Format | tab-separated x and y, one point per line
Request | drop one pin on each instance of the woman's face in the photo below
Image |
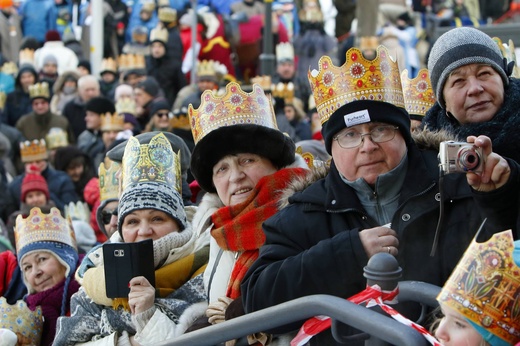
455	330
36	198
161	119
474	93
147	224
42	270
235	176
109	217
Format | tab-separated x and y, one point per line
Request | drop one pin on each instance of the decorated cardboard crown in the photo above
163	3
485	287
109	180
148	6
56	138
284	91
131	61
10	67
264	82
77	211
206	68
167	14
108	65
357	79
152	162
508	52
112	122
39	90
19	319
234	107
126	105
33	151
26	56
159	34
284	52
180	119
418	93
41	227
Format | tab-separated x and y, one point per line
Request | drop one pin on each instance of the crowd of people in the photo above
253	190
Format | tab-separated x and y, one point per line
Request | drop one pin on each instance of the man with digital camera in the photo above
382	194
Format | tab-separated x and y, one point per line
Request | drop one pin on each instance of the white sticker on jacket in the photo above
359	117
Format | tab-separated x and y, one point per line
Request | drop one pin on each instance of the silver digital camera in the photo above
460	157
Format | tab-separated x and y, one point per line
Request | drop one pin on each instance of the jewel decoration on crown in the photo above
485	287
77	211
108	65
167	14
357	79
153	162
264	82
19	319
112	122
39	90
284	91
56	138
159	34
131	61
33	151
41	227
126	105
234	107
108	179
284	51
417	92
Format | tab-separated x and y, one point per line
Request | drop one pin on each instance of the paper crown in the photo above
131	61
19	319
56	138
3	98
167	14
159	34
108	180
126	105
10	67
41	227
26	56
108	65
39	90
77	211
311	12
206	68
418	93
153	162
234	107
112	122
357	79
163	3
33	151
284	91
284	52
264	82
148	6
508	52
485	287
180	119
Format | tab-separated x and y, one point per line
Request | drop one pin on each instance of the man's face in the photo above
369	159
92	120
206	84
50	68
40	106
141	97
26	79
108	77
40	164
75	171
109	137
286	69
88	91
158	50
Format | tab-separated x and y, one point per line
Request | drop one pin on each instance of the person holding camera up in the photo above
474	90
383	193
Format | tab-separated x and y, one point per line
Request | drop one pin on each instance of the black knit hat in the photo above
159	104
100	105
150	86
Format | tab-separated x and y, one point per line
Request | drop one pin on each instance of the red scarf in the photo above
239	227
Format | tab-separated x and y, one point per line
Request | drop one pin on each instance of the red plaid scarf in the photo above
239	227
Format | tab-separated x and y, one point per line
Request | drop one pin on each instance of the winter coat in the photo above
18	102
38	17
60	99
34	126
313	245
67	59
75	112
11	36
168	74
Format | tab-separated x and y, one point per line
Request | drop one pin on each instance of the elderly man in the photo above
382	194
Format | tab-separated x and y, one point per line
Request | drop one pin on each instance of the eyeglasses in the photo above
106	215
352	138
161	114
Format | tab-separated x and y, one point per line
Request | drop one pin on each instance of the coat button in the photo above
405	217
438	196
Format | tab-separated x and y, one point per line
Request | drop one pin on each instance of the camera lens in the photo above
469	159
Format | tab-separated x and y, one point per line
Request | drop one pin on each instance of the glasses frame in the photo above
162	114
362	137
106	214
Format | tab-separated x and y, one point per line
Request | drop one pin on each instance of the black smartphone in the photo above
124	261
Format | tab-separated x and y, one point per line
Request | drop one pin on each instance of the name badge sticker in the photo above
356	118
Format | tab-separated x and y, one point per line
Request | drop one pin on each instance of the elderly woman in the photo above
150	207
475	95
243	162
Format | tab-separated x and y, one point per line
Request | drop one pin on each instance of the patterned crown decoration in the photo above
284	52
19	319
41	227
131	61
153	162
108	65
234	107
112	122
109	180
39	90
33	151
284	91
126	105
10	68
485	287
206	68
180	119
77	211
26	56
159	34
167	14
264	82
508	52
357	79
418	93
56	138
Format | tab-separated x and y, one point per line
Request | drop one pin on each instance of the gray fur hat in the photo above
459	47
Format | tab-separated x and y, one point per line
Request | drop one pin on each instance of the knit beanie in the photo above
159	104
50	59
52	35
34	181
100	105
463	46
150	86
86	65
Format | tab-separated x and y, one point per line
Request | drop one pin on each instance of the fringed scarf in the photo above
239	227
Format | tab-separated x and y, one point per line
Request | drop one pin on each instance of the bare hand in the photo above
141	296
379	239
496	169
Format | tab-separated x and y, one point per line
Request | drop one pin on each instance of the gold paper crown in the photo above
108	180
78	211
19	319
112	122
159	34
167	14
485	287
33	151
148	6
26	56
206	68
508	52
126	105
163	3
10	68
56	138
284	51
108	65
131	61
234	107
311	12
263	81
417	92
284	91
153	162
180	119
41	227
357	79
39	90
3	98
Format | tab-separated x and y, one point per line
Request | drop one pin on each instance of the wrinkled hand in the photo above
496	170
141	296
216	311
379	239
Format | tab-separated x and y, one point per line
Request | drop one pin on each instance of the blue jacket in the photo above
38	17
